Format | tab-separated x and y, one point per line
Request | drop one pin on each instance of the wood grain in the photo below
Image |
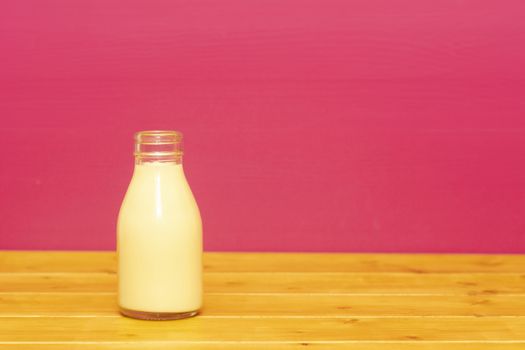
284	305
360	345
272	301
57	261
289	282
63	261
240	329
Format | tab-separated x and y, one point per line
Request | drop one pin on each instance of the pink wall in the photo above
352	125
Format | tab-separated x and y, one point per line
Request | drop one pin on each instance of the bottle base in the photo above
157	316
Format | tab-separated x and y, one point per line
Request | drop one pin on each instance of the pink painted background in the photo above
310	125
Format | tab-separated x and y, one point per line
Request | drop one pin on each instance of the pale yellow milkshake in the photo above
159	235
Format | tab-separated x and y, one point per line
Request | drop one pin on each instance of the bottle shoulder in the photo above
165	195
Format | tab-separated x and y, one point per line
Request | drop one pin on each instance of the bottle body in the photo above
159	243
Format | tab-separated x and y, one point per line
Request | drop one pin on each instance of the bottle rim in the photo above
155	137
158	145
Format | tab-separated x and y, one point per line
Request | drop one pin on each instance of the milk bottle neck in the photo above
158	146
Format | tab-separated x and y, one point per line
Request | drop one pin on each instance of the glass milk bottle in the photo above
159	234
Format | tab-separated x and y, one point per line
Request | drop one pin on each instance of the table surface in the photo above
67	300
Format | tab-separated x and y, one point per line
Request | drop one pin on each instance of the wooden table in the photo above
66	300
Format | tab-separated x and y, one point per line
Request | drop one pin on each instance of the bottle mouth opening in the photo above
156	137
158	144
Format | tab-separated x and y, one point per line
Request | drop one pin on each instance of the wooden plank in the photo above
340	262
376	308
366	283
57	261
361	345
67	261
58	282
284	305
290	282
201	329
